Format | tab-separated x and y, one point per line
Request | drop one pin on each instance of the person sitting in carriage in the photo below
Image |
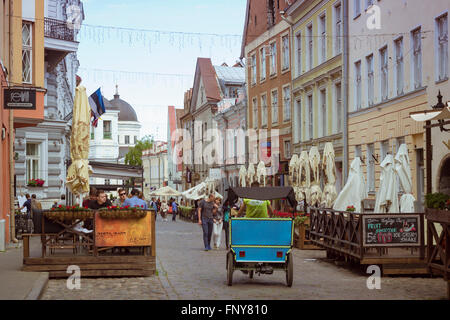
255	208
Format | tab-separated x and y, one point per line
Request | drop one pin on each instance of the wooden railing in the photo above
438	244
347	233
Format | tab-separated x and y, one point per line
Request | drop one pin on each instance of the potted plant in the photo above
35	183
350	208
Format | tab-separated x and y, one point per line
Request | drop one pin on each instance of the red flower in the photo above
86	207
142	206
60	206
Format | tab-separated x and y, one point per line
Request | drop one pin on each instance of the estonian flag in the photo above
97	106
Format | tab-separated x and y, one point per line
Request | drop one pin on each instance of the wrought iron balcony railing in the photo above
58	29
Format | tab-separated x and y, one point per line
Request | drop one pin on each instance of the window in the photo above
32	161
262	52
323	111
337	29
323	38
264	110
255	113
399	65
300	125
135	139
287	103
310	117
273	58
357	6
358	85
271	12
107	182
107	130
27	52
417	58
310	46
384	73
298	41
127	139
370	80
287	149
442	47
253	66
370	168
274	106
384	149
338	104
285	42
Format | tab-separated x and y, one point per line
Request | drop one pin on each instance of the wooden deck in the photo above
341	234
45	254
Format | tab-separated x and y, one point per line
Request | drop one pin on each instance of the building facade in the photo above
391	76
42	150
266	47
317	52
156	167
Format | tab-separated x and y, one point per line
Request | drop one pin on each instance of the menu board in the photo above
122	232
391	230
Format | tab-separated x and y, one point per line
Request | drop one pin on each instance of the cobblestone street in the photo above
186	271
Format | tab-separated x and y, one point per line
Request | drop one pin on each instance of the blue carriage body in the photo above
261	240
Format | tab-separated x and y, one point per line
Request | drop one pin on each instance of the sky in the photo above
149	48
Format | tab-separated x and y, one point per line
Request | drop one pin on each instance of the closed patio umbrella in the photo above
242	176
314	162
403	171
329	191
387	197
304	172
78	173
354	191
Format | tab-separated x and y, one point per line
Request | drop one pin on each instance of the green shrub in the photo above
436	200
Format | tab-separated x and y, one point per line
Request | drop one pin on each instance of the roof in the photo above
108	105
230	74
206	72
127	112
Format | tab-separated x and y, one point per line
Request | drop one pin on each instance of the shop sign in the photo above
24	99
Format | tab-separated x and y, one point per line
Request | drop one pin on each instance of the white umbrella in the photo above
403	171
329	191
354	191
293	169
314	162
387	197
166	192
199	192
304	178
250	173
242	176
261	172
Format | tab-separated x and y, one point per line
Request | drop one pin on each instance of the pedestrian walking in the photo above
154	206
226	222
218	224
27	204
205	219
163	210
174	210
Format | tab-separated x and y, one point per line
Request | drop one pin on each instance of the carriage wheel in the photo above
289	270
230	266
250	274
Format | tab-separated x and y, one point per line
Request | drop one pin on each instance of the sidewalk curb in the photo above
38	288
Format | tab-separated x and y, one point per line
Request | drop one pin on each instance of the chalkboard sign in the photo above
391	230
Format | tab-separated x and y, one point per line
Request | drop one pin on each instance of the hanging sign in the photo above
24	99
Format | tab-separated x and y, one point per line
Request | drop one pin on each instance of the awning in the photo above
262	193
114	170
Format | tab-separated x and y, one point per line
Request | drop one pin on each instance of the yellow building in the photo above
317	47
395	70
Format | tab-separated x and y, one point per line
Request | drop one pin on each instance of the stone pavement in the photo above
16	284
186	271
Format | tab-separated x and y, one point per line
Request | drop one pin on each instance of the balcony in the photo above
59	40
58	29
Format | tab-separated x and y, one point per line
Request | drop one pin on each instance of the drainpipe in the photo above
12	216
345	89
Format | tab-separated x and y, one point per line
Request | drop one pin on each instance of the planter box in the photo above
302	242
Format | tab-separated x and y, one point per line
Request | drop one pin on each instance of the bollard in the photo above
2	235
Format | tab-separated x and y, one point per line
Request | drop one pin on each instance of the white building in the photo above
118	130
156	167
